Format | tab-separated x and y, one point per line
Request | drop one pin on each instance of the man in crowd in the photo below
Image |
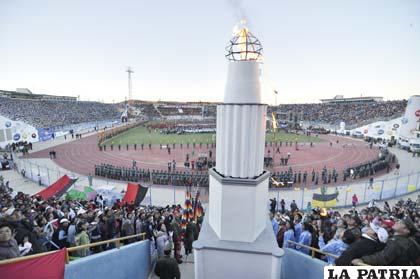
400	250
167	267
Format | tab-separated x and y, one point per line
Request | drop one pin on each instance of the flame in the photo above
274	121
241	31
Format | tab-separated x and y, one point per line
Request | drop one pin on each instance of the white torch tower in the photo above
237	230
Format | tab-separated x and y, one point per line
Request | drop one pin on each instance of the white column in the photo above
240	140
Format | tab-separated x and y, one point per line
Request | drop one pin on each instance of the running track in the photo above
81	155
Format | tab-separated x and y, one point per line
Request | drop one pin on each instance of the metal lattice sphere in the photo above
244	46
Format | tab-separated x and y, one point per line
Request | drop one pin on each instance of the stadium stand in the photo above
350	113
56	113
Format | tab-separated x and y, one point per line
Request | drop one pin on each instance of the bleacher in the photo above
56	113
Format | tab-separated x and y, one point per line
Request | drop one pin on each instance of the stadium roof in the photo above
341	99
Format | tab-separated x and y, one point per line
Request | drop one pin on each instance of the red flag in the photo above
50	266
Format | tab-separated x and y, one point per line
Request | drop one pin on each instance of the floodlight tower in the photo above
129	71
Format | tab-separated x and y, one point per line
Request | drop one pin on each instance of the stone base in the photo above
215	258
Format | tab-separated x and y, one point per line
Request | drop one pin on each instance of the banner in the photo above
319	200
50	266
45	134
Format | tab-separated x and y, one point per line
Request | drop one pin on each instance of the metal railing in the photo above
315	250
390	187
160	195
117	241
393	186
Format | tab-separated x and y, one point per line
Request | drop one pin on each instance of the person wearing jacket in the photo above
162	238
60	235
400	250
167	267
336	247
82	238
367	245
305	238
8	245
289	235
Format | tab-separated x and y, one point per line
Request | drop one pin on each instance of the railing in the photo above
76	248
161	195
393	186
381	189
315	250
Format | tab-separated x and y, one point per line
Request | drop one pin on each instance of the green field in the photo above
141	135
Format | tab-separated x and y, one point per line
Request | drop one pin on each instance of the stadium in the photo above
155	189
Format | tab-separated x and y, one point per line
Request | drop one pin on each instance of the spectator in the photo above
336	247
8	245
82	238
367	245
289	235
167	267
305	238
400	250
354	200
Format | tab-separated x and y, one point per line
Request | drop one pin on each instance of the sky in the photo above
312	49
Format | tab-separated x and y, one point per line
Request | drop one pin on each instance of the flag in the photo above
186	214
189	207
135	194
319	200
198	209
50	266
184	219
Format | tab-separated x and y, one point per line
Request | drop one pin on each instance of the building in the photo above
24	93
339	99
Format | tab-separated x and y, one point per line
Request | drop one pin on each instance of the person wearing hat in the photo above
59	237
367	245
400	250
167	267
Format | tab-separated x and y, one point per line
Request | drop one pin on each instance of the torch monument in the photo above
237	239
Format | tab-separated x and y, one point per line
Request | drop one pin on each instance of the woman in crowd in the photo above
8	246
82	238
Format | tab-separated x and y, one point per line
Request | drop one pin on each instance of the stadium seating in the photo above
56	113
351	114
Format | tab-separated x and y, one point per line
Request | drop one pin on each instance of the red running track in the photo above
81	155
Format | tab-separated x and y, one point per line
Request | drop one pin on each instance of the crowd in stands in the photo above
350	113
56	113
374	235
31	225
